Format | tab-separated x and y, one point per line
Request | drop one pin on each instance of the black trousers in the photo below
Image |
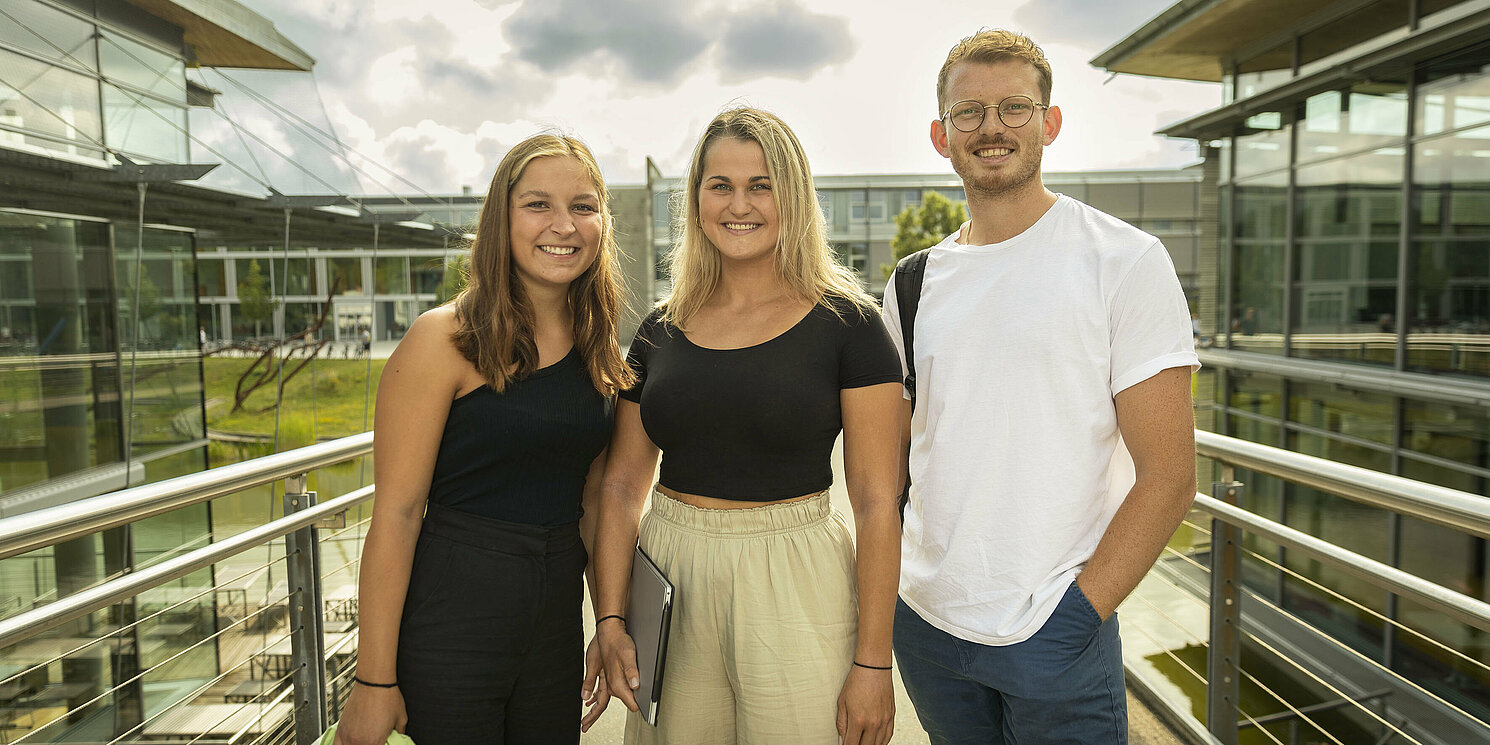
491	649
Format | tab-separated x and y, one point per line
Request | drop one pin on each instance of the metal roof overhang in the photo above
1192	39
225	33
36	182
1387	55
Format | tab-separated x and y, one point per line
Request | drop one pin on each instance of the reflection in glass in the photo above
1455	92
49	33
59	107
1459	434
1450	298
61	417
144	126
1335	408
1257	314
1262	144
1450	293
1363	116
143	67
1347	222
1257	393
1348	524
1450	558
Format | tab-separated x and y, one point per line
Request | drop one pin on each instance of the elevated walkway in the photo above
251	638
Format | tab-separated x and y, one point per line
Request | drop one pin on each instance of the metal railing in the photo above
274	712
295	697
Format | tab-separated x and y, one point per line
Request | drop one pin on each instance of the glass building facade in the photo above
1352	294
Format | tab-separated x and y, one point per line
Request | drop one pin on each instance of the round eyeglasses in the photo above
1014	111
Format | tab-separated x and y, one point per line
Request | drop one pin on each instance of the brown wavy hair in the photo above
494	317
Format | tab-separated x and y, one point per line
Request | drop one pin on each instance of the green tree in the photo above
255	301
924	226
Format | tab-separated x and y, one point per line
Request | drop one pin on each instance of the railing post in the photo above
1223	658
307	645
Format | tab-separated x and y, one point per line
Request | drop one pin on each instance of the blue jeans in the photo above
1062	685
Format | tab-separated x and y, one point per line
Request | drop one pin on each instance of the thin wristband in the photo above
869	667
603	619
360	681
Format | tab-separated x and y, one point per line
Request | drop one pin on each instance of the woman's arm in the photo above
593	689
414	394
871	465
629	468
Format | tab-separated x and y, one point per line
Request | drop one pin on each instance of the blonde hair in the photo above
804	260
989	46
494	318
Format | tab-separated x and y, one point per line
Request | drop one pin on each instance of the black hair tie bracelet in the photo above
869	667
360	681
603	619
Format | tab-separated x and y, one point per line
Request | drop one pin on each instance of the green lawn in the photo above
329	398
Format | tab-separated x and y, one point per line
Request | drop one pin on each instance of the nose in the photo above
992	124
738	204
563	223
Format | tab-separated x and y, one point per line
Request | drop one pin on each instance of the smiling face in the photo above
736	208
996	160
556	222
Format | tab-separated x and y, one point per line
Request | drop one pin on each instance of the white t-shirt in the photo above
1017	465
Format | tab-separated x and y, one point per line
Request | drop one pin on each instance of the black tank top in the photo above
522	455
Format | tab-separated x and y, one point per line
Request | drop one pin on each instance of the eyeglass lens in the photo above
1014	111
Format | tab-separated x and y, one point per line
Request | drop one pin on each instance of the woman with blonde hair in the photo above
492	420
747	372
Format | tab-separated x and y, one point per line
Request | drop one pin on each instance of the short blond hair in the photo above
989	46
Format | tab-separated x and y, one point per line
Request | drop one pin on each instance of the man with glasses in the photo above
1048	336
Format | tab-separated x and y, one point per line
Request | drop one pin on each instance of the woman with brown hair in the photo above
492	420
766	349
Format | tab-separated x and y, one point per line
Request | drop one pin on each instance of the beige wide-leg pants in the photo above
764	623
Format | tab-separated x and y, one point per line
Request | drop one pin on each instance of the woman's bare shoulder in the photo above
428	349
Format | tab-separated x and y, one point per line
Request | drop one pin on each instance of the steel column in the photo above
307	645
1223	657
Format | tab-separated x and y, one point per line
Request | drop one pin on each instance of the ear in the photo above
939	139
1052	124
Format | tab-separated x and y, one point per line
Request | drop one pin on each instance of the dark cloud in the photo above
1085	23
650	41
786	41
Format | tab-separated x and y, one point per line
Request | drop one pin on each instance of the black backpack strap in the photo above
909	274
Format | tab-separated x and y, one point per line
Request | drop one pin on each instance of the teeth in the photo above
558	250
992	152
740	225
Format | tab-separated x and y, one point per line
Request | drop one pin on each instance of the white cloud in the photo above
443	87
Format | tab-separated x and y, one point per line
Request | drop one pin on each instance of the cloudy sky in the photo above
439	89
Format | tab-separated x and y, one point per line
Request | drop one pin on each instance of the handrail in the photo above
1461	607
55	525
1456	509
79	604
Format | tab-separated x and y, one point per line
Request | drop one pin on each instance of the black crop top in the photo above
755	424
523	455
